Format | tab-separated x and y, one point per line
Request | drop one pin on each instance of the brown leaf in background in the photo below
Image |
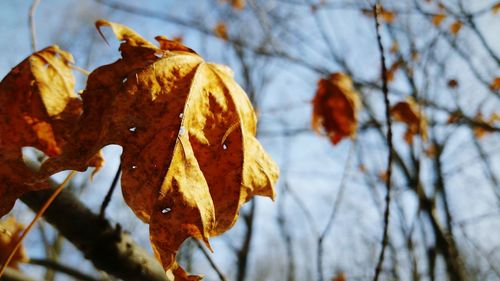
495	84
10	232
480	132
438	19
220	30
455	27
335	107
237	4
391	72
385	15
452	84
408	112
190	157
495	9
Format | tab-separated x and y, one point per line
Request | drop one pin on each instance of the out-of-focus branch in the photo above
54	265
109	249
385	236
14	275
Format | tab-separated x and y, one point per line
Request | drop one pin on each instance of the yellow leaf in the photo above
335	107
438	19
409	112
190	157
455	27
10	232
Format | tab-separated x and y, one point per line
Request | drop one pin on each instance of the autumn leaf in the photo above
495	84
237	4
479	131
335	107
495	8
340	277
385	15
391	72
38	108
220	30
190	157
455	27
452	84
438	19
409	112
10	232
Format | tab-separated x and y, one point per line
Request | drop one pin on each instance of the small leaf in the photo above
495	9
408	112
385	15
455	27
495	84
237	4
10	232
438	19
220	30
335	107
452	84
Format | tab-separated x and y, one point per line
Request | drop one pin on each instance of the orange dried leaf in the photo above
38	108
409	112
391	72
438	19
190	157
455	27
394	47
220	30
340	277
385	15
335	107
495	9
237	4
479	131
495	84
10	232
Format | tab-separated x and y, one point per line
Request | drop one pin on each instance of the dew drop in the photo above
133	129
224	146
124	80
166	210
181	115
134	167
182	130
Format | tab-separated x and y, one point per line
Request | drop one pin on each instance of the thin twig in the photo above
215	267
54	265
107	198
385	237
35	219
331	218
31	22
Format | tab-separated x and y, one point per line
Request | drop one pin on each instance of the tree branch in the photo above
107	247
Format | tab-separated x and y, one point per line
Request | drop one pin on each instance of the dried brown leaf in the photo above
409	112
190	157
335	107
